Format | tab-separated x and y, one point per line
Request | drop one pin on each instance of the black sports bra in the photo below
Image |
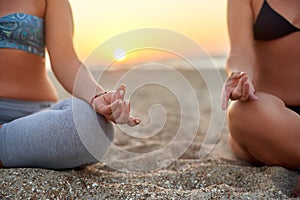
271	25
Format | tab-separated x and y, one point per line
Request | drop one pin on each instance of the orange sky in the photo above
96	21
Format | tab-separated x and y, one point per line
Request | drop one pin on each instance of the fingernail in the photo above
137	121
127	102
120	101
121	92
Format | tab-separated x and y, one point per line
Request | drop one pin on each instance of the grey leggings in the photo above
66	135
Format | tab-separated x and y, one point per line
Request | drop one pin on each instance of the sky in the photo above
97	21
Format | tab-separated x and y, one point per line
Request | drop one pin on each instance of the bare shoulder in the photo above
240	14
57	2
58	12
59	31
58	6
239	8
39	6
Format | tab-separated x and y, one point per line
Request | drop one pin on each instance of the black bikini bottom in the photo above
294	108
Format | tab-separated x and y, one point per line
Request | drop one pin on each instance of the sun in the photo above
119	54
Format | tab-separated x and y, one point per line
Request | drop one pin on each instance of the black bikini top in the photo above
271	25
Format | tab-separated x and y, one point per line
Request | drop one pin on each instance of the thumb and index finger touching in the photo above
237	87
119	96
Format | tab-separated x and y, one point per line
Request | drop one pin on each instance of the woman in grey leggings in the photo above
35	129
33	135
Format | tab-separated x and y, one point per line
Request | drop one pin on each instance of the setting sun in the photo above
98	21
119	55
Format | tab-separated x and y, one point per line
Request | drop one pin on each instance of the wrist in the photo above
97	95
237	71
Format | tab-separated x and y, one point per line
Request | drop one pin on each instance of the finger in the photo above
133	121
227	93
120	92
237	92
253	97
237	74
124	116
109	97
107	109
225	98
117	109
104	110
245	92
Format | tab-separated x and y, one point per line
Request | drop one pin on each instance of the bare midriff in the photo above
278	68
23	76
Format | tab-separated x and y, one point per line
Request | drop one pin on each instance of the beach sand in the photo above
219	175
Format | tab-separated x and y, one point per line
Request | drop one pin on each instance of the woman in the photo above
264	81
35	131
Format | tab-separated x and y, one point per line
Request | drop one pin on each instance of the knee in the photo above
241	129
249	112
245	118
106	126
90	131
87	120
238	115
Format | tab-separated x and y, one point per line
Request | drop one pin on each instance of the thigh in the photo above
268	130
54	139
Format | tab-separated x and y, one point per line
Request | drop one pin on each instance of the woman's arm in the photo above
240	21
64	61
241	61
68	69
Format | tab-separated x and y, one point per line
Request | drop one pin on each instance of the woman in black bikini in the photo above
264	82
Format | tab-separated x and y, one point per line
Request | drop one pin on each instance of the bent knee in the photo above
250	112
86	119
245	119
239	114
95	132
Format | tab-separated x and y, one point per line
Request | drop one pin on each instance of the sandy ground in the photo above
174	174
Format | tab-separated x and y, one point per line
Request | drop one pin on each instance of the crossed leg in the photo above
265	132
68	135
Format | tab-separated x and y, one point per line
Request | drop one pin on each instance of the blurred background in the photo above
203	21
169	102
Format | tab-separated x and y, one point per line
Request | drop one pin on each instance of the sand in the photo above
219	175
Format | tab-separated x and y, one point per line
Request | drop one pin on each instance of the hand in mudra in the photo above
237	87
114	108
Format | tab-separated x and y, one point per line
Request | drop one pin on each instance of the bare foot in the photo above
296	192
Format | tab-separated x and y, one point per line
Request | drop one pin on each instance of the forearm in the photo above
241	61
77	80
242	45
